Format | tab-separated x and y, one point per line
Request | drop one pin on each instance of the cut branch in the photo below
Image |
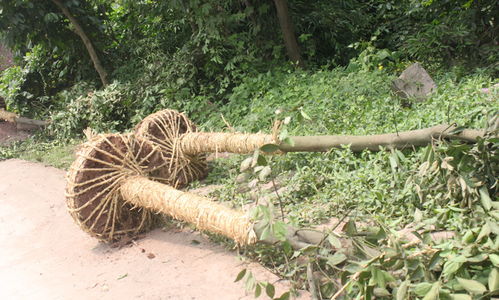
86	41
183	146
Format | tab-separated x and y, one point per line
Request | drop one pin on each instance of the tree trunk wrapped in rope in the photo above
110	193
184	147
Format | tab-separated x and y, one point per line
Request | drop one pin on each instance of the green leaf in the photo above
304	115
485	198
468	237
472	286
283	134
336	259
254	161
240	275
350	228
334	241
484	232
477	258
381	292
494	258
494	280
269	148
433	292
270	290
265	233
422	289
264	173
246	164
460	297
280	230
258	290
453	265
284	296
261	160
402	290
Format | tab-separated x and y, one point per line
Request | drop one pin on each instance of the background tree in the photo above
288	32
86	41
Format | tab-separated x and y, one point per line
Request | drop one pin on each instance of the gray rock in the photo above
414	82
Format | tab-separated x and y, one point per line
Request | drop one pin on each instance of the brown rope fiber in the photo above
200	211
162	129
214	142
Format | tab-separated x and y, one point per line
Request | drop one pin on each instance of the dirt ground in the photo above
44	255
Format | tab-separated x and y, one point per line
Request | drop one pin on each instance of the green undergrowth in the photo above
58	154
447	187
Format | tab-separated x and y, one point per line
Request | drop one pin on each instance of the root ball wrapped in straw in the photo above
94	179
163	129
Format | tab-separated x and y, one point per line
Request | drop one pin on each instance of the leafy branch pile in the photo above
445	248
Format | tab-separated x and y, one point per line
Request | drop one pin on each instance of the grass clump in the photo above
55	153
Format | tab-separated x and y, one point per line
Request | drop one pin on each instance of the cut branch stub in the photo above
110	193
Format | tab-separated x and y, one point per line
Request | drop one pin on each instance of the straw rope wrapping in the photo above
163	129
213	142
200	211
93	182
184	147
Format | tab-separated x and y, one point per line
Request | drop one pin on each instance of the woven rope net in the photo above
162	129
94	179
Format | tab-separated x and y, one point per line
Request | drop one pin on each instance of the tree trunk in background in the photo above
288	32
90	48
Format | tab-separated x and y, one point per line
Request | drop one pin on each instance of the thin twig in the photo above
311	282
278	198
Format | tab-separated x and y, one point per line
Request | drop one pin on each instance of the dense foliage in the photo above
191	54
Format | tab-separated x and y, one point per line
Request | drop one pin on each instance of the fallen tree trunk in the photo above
401	140
22	122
